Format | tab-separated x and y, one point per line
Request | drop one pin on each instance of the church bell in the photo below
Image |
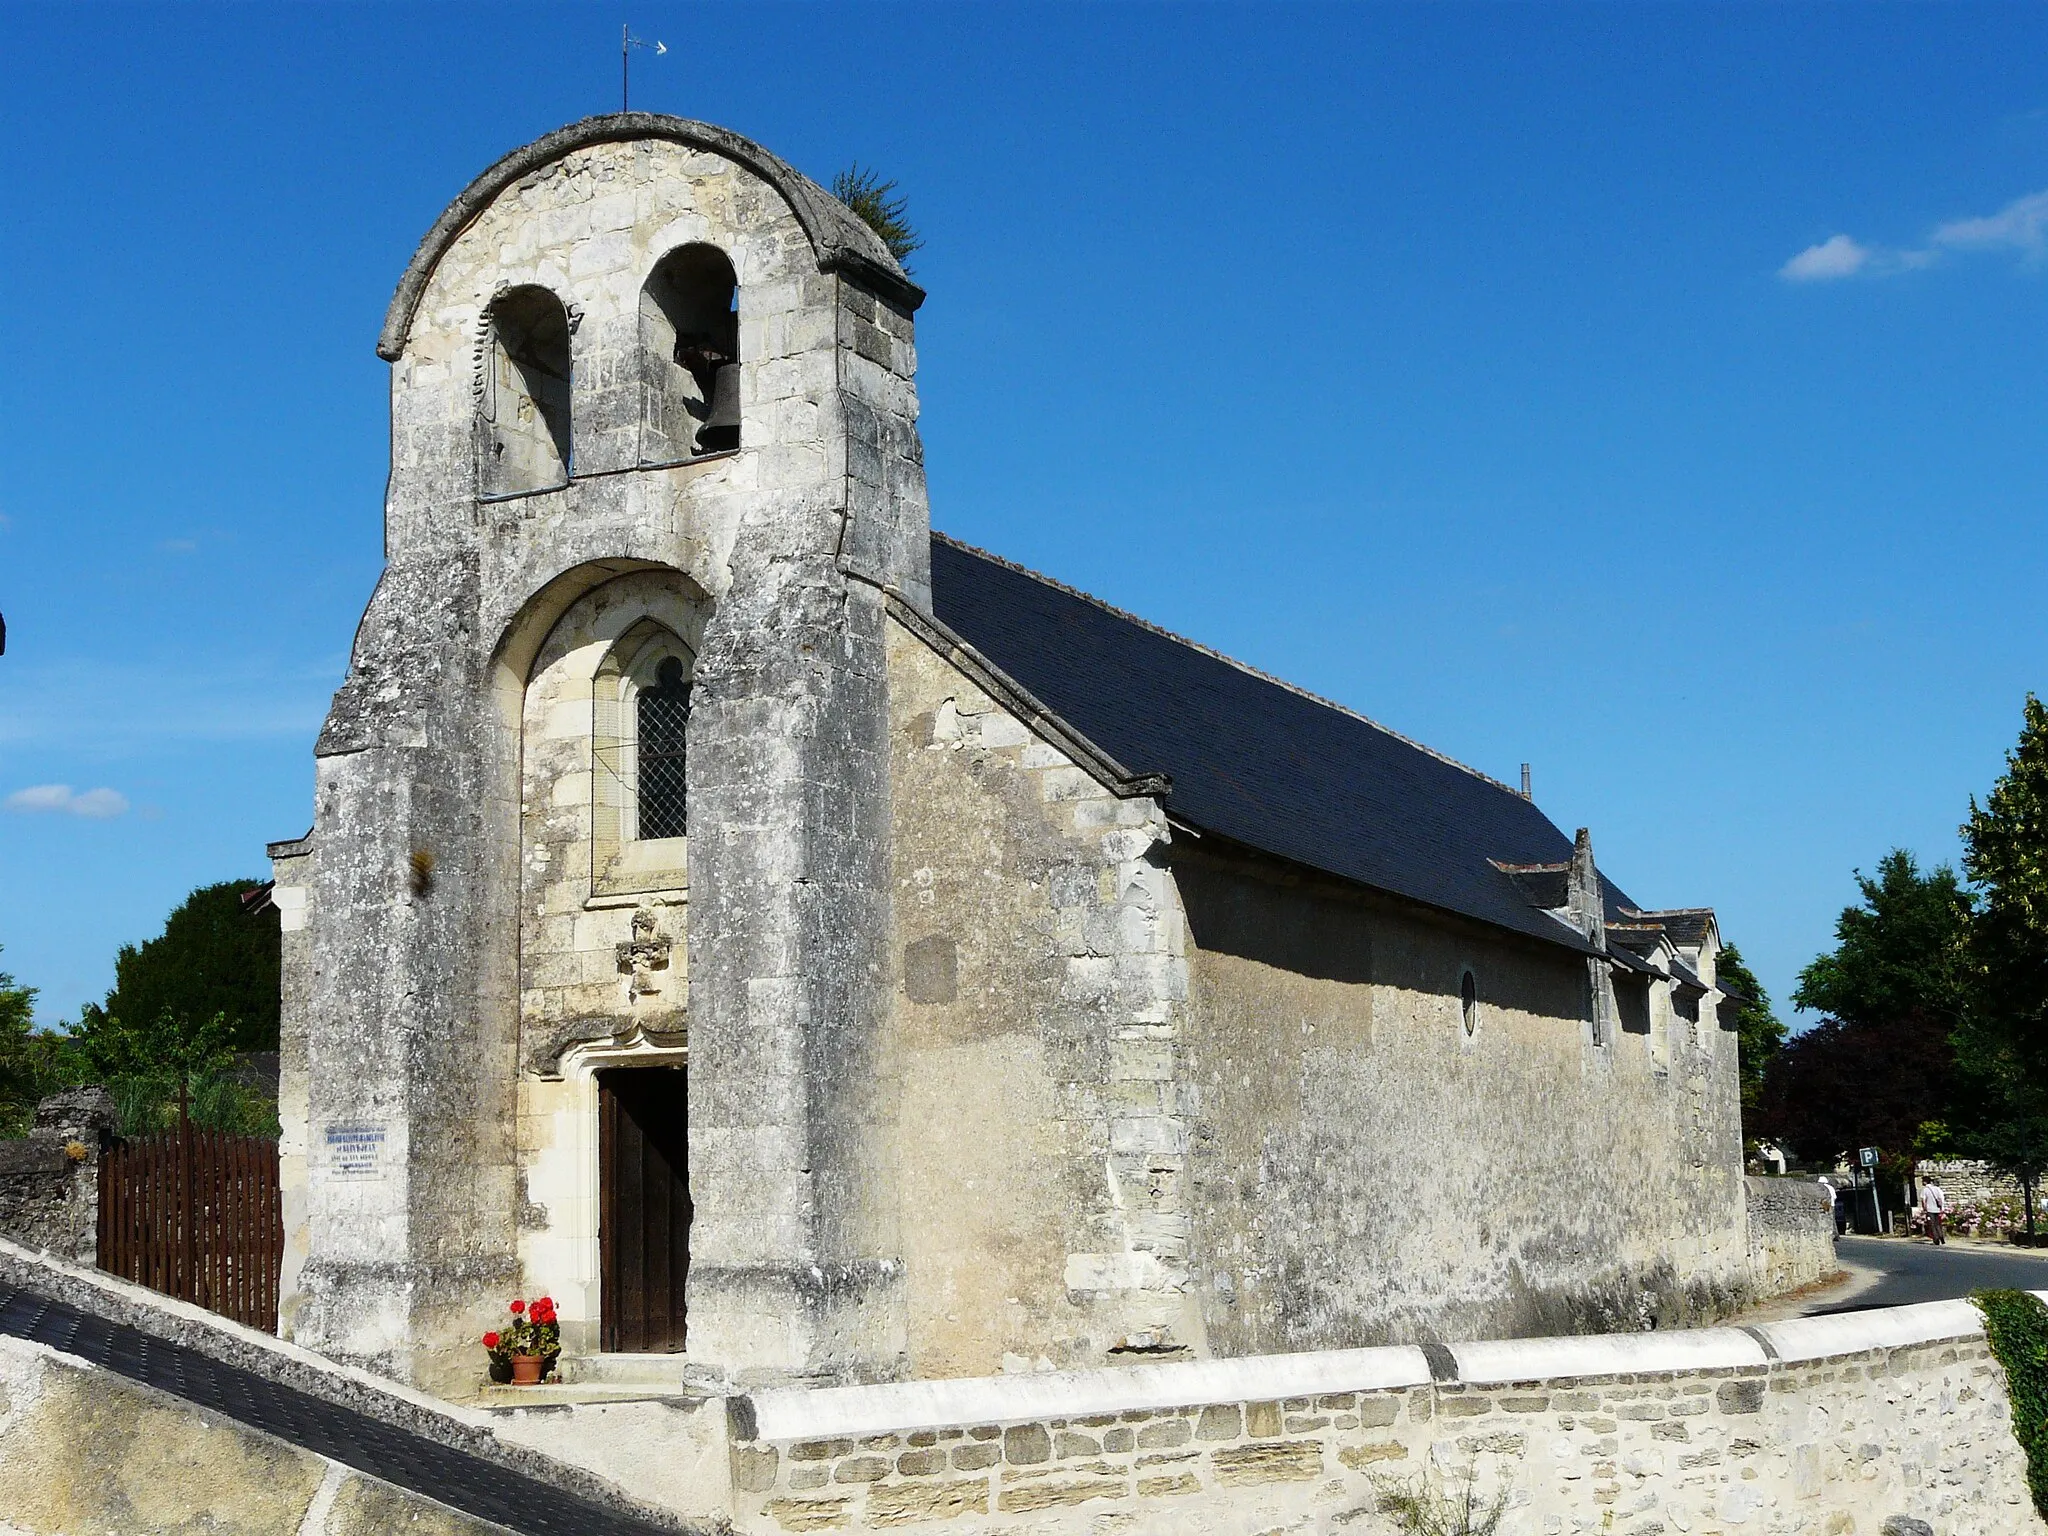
721	429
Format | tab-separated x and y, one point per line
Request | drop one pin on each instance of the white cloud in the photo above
1838	256
2021	225
41	797
96	804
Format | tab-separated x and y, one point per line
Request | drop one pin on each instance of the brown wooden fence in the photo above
197	1215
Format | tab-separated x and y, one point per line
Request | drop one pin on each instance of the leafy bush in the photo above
2016	1323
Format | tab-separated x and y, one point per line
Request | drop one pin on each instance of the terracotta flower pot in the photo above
526	1370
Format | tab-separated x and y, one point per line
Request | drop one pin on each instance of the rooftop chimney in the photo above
1589	911
1525	783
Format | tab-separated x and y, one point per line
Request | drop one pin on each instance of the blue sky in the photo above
1653	394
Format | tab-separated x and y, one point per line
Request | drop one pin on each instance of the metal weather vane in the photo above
627	43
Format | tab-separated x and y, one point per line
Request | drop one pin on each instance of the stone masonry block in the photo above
1026	1445
1051	1495
809	1514
1359	1457
1378	1412
916	1503
1740	1396
753	1468
1284	1461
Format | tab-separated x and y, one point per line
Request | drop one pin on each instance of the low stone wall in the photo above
1791	1233
1827	1425
1968	1182
49	1179
1856	1425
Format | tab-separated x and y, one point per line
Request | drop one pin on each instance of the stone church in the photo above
812	949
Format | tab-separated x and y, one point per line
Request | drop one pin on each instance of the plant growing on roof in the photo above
877	204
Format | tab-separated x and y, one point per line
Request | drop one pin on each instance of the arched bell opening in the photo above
690	356
523	402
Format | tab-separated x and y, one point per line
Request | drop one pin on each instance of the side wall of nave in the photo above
1161	1098
1367	1169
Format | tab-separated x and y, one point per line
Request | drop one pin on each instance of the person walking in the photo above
1934	1206
1841	1197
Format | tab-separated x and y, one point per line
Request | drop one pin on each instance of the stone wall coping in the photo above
795	1413
1849	1333
787	1414
1611	1354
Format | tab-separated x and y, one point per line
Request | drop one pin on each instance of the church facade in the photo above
811	949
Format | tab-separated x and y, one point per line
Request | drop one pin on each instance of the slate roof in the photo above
1254	759
1686	925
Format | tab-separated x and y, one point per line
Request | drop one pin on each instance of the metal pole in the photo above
625	66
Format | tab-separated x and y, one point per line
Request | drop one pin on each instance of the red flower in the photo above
491	1340
546	1301
518	1306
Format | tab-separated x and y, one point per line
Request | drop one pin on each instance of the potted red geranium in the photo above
524	1350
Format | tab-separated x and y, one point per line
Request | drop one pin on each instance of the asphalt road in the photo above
1889	1272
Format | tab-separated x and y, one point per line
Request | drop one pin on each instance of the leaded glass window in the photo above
664	714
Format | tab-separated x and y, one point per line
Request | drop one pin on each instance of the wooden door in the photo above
643	1224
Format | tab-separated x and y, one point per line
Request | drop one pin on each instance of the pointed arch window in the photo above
663	745
640	700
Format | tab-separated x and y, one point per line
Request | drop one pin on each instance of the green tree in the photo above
2005	854
2003	1043
19	1078
1894	990
877	204
212	959
1903	951
1759	1035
